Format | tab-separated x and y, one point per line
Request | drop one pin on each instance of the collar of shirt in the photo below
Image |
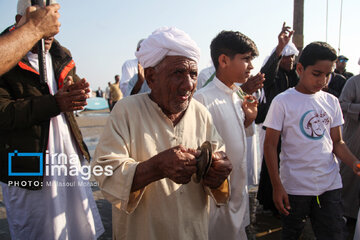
225	88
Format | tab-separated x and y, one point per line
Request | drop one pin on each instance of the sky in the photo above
102	35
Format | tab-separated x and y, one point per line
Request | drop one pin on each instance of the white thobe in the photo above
229	222
56	211
204	76
137	130
128	70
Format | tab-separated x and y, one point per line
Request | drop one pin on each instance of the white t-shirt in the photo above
307	164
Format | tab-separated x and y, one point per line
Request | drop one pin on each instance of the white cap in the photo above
24	4
166	41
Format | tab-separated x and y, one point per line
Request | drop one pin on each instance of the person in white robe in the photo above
233	112
128	71
150	141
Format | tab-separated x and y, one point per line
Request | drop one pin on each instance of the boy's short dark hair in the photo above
231	43
317	51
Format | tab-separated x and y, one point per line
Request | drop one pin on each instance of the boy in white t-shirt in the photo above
308	121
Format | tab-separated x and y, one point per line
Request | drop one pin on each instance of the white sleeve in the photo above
125	77
275	116
338	119
112	153
348	99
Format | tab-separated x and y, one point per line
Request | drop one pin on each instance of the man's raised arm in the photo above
39	23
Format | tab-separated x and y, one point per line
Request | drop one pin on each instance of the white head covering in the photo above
24	4
167	41
290	49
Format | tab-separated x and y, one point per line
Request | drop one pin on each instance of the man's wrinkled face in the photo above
287	63
173	83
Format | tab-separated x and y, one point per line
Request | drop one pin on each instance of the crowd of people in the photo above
173	157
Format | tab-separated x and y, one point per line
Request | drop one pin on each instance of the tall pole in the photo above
340	27
41	47
327	19
298	24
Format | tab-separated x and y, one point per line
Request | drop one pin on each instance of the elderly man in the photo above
46	193
38	23
150	142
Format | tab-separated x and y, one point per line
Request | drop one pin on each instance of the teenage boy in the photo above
309	123
232	112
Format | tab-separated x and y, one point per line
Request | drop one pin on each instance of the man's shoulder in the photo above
198	107
206	94
355	79
130	63
133	102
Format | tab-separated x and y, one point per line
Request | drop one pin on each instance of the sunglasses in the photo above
343	60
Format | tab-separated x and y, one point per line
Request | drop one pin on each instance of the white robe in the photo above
137	130
229	222
128	70
55	211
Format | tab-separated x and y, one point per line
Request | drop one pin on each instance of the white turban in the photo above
290	49
24	4
166	41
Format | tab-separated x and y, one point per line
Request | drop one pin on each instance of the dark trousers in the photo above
326	217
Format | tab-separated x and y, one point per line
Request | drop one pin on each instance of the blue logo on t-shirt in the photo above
313	124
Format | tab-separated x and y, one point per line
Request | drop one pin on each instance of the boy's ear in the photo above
223	60
299	68
149	76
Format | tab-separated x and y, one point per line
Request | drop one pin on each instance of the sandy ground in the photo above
263	226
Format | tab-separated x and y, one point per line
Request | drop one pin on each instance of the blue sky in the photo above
103	34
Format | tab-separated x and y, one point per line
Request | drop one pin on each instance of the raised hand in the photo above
284	38
45	20
253	83
249	107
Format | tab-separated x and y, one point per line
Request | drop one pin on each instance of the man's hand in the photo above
45	20
178	164
72	96
219	170
281	200
140	81
283	38
141	74
253	83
